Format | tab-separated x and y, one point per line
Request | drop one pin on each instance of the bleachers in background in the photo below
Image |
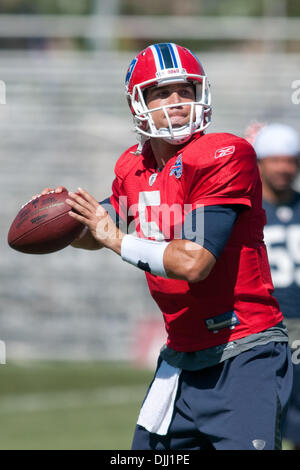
66	121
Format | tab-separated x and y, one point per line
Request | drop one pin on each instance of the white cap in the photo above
277	140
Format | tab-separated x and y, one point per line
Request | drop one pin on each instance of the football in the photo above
43	225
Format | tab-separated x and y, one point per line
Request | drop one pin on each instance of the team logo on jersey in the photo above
152	179
176	169
225	152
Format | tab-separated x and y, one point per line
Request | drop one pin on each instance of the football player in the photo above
278	151
186	207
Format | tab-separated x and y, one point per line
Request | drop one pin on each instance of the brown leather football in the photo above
43	225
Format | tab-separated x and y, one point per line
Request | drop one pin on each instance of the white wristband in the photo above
145	254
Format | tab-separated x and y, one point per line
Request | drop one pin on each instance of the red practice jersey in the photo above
212	169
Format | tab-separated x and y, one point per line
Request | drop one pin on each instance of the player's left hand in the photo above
90	213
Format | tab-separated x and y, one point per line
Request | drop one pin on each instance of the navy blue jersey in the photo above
282	237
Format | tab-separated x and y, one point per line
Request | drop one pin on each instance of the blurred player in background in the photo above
278	151
194	202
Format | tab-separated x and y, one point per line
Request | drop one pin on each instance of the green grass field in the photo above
70	405
59	405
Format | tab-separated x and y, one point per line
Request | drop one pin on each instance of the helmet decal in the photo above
165	56
130	70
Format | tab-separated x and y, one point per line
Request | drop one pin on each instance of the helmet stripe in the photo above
167	56
176	55
155	52
159	56
172	47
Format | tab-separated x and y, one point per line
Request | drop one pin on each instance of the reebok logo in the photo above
225	152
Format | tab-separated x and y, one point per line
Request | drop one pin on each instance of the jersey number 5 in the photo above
149	228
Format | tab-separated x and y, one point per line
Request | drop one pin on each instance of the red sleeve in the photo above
225	179
118	198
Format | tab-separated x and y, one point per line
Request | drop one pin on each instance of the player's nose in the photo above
175	98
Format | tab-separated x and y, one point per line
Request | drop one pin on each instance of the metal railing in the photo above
148	27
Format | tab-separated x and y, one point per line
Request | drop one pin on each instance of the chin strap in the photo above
178	140
142	139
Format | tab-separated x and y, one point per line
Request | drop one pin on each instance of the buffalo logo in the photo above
176	169
130	70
